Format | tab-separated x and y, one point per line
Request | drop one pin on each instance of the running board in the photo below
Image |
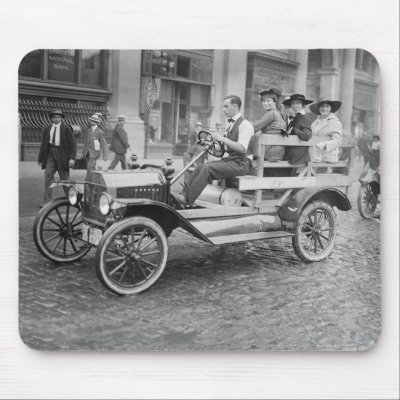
245	237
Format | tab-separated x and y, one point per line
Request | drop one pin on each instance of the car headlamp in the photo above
105	202
72	195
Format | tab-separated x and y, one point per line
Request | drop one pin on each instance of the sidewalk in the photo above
30	169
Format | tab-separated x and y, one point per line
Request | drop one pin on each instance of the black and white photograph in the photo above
199	199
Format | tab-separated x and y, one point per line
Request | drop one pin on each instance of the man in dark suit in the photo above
299	124
57	151
119	144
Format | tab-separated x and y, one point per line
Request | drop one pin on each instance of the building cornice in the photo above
39	88
272	58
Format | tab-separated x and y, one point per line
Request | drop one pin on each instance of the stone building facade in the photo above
163	93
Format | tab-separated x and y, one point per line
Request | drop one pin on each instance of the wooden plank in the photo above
278	140
249	182
332	180
221	211
217	240
337	164
260	174
293	140
281	164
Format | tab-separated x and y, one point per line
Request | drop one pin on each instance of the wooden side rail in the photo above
259	183
249	182
260	139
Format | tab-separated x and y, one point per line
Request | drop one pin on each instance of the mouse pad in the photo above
215	200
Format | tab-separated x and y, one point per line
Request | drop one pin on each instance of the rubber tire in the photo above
106	240
361	204
297	242
37	233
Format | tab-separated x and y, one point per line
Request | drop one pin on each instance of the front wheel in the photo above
367	200
315	232
131	255
57	231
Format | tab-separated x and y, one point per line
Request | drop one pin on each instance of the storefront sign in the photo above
61	65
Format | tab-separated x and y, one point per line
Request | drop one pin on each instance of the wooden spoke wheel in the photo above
367	200
57	231
131	255
315	232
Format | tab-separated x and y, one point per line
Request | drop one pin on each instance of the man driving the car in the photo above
236	163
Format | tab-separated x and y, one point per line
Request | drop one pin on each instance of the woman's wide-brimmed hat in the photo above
335	105
272	92
57	112
300	97
95	118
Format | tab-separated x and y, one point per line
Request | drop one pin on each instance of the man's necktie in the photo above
53	139
230	120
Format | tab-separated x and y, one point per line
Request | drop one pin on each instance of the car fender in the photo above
369	176
166	216
292	209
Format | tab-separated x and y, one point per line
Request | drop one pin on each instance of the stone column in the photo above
229	77
125	87
328	83
218	90
300	80
347	88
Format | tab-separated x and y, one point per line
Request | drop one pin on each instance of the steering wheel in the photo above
214	147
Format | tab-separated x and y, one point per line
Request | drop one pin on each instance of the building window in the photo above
61	65
87	68
364	61
314	60
31	65
201	69
183	67
91	67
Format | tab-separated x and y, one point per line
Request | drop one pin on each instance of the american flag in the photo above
152	91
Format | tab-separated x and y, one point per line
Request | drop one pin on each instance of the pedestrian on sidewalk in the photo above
95	145
119	144
57	151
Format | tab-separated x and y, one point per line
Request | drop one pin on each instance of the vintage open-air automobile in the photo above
129	215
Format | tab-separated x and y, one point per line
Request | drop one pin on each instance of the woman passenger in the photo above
271	122
328	127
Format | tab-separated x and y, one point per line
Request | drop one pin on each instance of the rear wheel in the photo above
131	255
367	200
315	232
57	231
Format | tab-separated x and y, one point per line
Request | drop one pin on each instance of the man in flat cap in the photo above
119	144
57	151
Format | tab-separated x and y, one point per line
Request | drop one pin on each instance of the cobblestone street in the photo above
250	296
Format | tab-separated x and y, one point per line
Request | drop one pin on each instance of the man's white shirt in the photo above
246	131
55	130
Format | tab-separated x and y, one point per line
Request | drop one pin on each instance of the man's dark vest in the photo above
234	136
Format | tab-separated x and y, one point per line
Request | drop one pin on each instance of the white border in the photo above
368	24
